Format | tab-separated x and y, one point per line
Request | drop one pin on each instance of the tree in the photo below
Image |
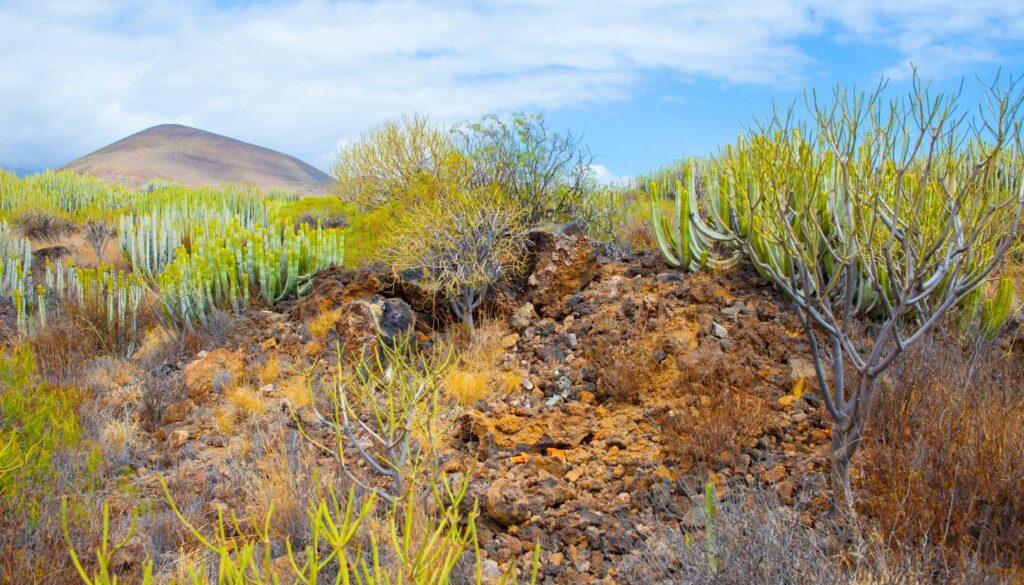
897	211
545	173
395	160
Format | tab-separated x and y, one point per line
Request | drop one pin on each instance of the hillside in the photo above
198	158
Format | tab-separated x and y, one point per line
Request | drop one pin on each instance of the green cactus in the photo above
996	310
230	264
690	242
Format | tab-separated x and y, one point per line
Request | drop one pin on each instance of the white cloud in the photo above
303	76
602	175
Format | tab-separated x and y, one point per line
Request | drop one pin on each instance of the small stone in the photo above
660	355
726	344
526	384
177	437
176	412
553	400
574	300
571	340
490	572
522	317
719	331
785	490
775	474
732	311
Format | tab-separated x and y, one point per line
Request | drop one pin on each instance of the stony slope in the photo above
198	158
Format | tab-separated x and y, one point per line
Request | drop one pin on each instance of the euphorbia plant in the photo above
898	210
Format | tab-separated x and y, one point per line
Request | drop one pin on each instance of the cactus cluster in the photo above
229	265
722	203
205	248
16	282
698	238
172	214
61	190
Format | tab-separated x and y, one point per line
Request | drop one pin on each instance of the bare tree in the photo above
98	233
896	210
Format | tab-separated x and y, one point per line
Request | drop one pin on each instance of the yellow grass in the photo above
246	400
322	324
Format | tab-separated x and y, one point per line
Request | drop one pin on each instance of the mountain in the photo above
196	158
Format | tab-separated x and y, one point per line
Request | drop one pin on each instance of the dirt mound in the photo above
649	384
198	158
639	385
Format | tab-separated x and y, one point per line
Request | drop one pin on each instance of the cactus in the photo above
996	310
690	242
229	265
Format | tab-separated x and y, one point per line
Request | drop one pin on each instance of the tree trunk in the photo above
842	493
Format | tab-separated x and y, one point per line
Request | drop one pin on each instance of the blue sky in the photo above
645	82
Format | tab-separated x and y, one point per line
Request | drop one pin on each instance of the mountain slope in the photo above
196	158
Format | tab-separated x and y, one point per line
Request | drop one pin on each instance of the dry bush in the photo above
43	225
707	428
637	234
945	460
621	361
755	540
63	349
282	479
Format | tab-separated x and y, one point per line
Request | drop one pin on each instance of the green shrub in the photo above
461	245
36	420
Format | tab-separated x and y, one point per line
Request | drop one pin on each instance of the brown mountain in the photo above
197	158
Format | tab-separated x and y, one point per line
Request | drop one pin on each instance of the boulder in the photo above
564	263
509	502
362	325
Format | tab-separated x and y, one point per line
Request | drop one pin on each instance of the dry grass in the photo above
296	391
322	324
270	370
246	401
467	386
478	371
944	458
224	418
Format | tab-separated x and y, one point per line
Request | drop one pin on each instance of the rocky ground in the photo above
638	385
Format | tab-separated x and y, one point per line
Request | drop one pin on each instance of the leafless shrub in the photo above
44	225
966	497
160	391
99	233
752	539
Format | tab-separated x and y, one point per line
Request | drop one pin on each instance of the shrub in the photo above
461	244
966	497
898	210
35	421
43	225
545	174
327	212
98	233
393	161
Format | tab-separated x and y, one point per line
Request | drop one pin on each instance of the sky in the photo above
645	82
